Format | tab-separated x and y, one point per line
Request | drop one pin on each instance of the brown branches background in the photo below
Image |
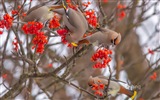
30	78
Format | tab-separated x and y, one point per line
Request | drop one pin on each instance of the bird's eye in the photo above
113	41
90	85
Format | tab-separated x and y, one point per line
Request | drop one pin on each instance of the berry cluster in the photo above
86	4
15	44
150	51
122	13
50	65
14	12
54	23
32	27
103	56
62	33
39	41
98	89
4	76
91	18
6	22
153	76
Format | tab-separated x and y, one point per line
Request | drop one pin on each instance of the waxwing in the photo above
114	87
40	13
75	21
103	37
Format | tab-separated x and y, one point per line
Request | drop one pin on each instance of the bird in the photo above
103	36
75	22
114	87
40	13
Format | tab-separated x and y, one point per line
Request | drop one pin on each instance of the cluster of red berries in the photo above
15	44
122	13
63	33
6	22
98	89
50	65
103	56
32	27
17	12
54	22
39	41
153	76
91	18
86	4
4	76
14	12
150	51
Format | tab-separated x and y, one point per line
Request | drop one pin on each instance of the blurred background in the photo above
134	60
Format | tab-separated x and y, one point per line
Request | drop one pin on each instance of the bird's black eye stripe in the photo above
114	41
90	85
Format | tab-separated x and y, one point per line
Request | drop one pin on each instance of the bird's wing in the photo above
75	19
60	11
34	8
103	77
68	24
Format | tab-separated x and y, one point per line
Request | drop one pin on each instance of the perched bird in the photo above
75	21
40	13
103	37
114	87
